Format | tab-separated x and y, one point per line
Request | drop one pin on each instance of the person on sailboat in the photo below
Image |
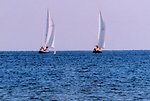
46	49
97	48
42	48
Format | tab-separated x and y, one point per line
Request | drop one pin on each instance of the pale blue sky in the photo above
22	23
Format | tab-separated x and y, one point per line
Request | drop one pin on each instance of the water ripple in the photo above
75	76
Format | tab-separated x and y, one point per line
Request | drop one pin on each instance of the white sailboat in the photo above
50	36
101	35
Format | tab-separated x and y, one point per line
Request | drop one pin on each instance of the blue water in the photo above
75	76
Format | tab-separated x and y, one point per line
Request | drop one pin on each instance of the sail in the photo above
101	32
47	25
49	41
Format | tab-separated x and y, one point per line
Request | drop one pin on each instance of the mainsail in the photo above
49	40
101	32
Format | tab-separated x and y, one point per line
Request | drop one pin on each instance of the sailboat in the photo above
101	35
50	36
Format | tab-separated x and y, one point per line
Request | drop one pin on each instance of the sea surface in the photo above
75	76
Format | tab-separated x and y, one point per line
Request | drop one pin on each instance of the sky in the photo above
23	24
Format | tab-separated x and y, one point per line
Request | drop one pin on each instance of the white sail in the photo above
101	32
49	41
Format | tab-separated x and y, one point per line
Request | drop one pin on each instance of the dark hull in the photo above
97	51
41	52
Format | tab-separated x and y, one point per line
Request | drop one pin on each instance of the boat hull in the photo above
41	52
97	51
